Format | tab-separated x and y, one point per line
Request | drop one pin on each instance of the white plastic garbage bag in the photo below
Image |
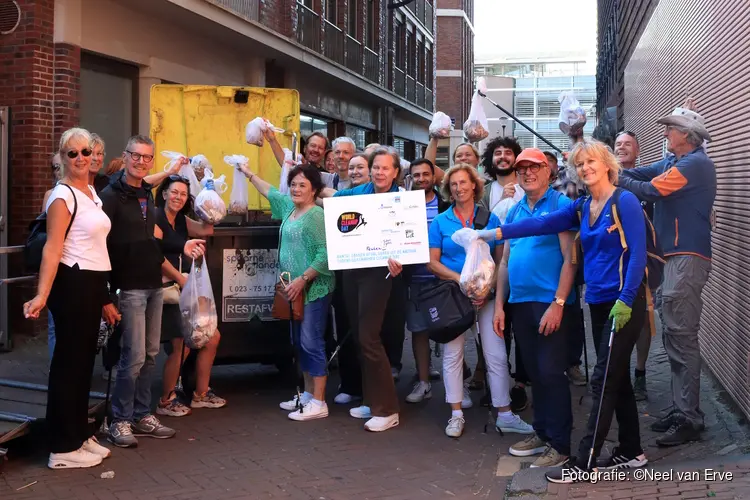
476	127
288	165
208	204
478	273
256	127
441	126
200	164
238	198
572	116
198	308
185	171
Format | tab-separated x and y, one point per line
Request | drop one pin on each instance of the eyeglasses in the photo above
139	156
72	154
533	169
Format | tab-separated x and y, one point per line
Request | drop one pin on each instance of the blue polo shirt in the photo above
368	188
442	228
536	261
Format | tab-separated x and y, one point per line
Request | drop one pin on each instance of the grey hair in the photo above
73	134
96	140
693	137
343	140
139	139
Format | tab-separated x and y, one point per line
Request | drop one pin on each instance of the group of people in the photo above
547	243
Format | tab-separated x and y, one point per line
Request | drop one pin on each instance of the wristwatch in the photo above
560	302
305	278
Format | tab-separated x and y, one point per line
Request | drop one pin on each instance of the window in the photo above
420	62
309	124
353	18
358	135
428	67
412	53
331	12
400	146
307	3
400	45
371	26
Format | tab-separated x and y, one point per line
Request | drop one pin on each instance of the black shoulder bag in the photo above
34	247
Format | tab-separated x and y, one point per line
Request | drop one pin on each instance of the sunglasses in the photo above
179	178
74	154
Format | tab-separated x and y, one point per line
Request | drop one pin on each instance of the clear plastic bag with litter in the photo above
478	273
209	206
572	116
238	198
198	308
255	129
476	127
441	126
186	171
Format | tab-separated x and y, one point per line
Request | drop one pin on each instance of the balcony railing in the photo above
420	95
428	100
411	90
334	43
372	66
399	82
247	9
428	12
308	28
353	55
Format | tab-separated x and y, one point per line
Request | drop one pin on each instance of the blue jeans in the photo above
141	333
51	339
310	337
545	358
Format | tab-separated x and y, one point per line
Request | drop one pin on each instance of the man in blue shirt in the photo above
683	189
422	172
540	274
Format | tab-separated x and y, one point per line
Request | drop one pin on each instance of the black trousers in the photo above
618	397
350	370
367	295
521	377
76	301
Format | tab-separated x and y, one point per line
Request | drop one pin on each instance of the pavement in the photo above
249	449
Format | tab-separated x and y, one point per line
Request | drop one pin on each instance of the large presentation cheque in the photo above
366	230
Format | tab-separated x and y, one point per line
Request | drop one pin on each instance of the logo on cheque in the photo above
349	221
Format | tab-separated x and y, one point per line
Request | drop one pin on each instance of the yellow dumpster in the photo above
210	120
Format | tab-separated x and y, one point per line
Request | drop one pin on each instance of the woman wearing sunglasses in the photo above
303	262
73	283
173	216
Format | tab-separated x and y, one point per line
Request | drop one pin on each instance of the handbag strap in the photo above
75	209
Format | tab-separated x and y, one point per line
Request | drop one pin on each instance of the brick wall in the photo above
39	82
455	51
279	15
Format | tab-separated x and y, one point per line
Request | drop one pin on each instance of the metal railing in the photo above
246	9
308	28
428	100
411	91
399	82
353	55
5	340
372	65
334	42
420	95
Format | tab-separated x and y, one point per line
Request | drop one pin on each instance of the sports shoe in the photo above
576	376
380	424
291	405
664	423
361	412
455	426
639	388
207	400
92	446
530	446
395	373
550	458
121	434
149	426
466	402
680	433
421	391
79	459
519	401
343	398
172	407
434	374
569	473
513	424
619	461
310	411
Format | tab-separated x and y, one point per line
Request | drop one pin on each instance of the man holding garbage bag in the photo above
137	261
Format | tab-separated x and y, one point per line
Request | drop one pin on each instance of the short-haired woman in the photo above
73	283
302	254
174	208
464	186
615	294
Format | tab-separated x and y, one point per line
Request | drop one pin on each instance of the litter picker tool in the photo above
601	395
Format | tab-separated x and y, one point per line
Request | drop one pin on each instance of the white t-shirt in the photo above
501	207
86	244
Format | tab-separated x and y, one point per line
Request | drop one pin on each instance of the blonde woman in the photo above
615	294
73	283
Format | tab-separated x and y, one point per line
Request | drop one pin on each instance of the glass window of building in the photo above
310	124
358	135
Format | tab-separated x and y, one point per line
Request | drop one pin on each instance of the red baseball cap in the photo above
531	155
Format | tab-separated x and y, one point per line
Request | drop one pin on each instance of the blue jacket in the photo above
683	192
605	280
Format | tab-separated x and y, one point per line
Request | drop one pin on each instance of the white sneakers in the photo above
90	454
380	424
455	426
513	423
291	405
421	391
343	398
310	411
360	412
466	402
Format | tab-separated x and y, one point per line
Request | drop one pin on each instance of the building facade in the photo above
530	90
455	39
681	52
361	69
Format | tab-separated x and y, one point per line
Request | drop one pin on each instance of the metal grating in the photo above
10	16
703	47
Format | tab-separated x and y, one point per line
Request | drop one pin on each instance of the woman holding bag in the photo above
303	258
174	206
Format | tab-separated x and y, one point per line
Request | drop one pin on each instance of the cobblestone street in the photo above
251	450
